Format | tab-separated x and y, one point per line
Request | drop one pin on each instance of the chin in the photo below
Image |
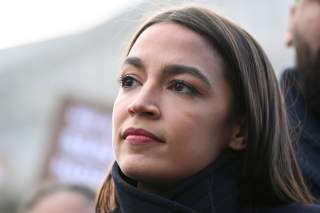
133	170
152	172
143	171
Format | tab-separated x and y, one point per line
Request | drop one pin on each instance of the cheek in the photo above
312	34
309	27
200	120
201	133
119	114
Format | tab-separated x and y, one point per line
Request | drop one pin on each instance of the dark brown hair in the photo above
270	170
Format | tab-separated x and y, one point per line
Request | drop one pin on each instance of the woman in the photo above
55	197
199	123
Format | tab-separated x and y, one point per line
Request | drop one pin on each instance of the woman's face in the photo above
172	114
63	202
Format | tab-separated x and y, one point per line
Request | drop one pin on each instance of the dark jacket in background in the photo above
306	127
215	189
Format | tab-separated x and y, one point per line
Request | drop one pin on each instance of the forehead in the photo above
307	12
172	42
301	2
165	32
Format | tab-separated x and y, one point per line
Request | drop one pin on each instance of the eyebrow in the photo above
175	69
172	69
134	61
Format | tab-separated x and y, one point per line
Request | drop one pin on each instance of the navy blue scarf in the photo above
214	189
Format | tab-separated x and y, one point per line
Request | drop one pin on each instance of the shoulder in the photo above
292	208
288	77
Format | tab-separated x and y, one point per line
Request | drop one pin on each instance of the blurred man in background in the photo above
301	86
60	198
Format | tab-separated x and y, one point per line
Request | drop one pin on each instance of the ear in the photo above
238	136
289	35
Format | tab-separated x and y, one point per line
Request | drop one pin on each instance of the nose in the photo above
145	103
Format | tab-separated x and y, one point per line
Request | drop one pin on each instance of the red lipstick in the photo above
140	136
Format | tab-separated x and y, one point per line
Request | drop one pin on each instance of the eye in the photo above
128	82
182	87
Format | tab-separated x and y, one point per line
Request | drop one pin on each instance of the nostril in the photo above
151	114
151	111
145	104
131	110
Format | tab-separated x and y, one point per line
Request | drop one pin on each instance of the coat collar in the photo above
213	189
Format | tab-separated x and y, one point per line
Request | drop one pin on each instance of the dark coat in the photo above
307	129
214	189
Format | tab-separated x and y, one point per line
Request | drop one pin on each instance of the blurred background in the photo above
58	68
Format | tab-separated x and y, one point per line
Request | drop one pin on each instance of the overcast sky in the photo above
26	21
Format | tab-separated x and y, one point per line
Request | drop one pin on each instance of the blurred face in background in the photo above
171	117
63	202
304	35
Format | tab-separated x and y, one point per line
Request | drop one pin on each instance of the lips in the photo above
134	135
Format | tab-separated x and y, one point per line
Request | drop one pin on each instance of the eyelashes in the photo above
128	81
181	87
